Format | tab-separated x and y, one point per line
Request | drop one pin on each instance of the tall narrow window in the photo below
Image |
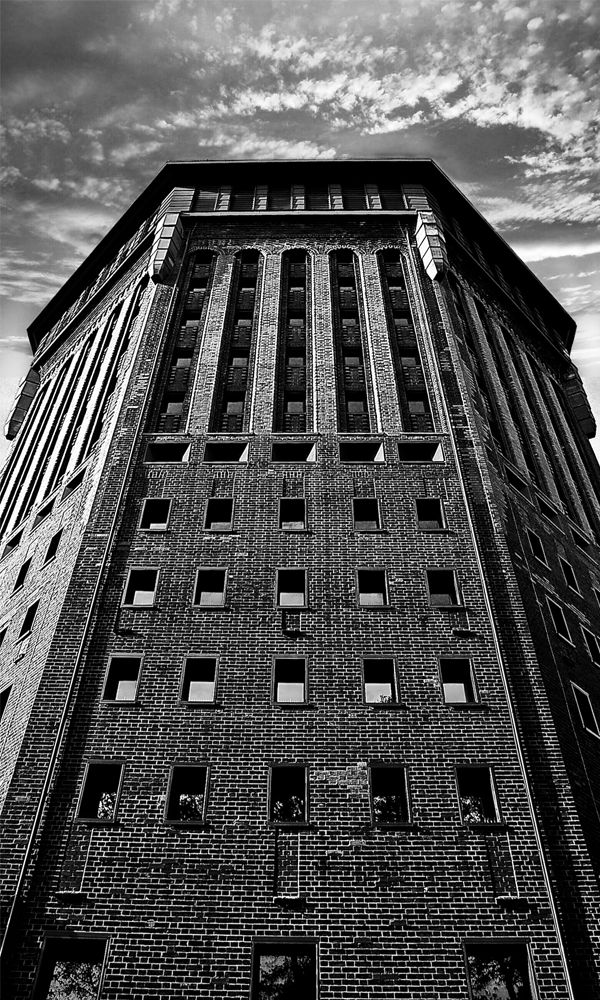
559	620
100	792
210	588
291	588
28	620
289	681
443	591
199	679
379	682
592	643
349	349
389	795
499	969
186	798
4	696
291	400
288	801
477	795
292	513
457	681
122	678
22	575
53	546
430	514
586	712
372	588
70	967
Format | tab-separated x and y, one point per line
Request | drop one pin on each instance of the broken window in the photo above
291	588
457	681
21	575
476	794
499	970
389	795
292	513
288	794
430	514
219	514
187	794
28	620
586	711
442	588
70	968
122	678
155	514
210	588
365	511
100	791
53	546
289	680
372	588
559	620
536	546
285	969
140	589
380	682
199	679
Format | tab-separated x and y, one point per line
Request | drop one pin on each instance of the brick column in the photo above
382	370
325	417
206	369
261	403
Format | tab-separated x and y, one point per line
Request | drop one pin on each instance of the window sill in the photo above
154	531
383	705
138	607
113	702
199	704
286	706
291	608
220	531
211	607
290	826
296	531
187	824
90	821
482	827
448	607
375	607
370	531
395	826
469	706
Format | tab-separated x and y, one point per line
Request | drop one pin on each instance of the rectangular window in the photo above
499	969
12	543
219	514
210	588
155	514
167	451
294	451
586	711
199	679
53	547
43	513
420	451
186	797
430	514
100	792
225	451
140	590
559	620
4	696
289	681
519	484
70	967
441	584
288	802
569	575
365	512
291	588
292	514
548	511
457	682
22	575
284	969
358	451
122	678
476	795
537	547
592	644
28	620
372	588
74	484
389	795
379	682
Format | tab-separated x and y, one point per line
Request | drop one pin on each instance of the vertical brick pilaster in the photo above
202	393
261	414
322	332
384	382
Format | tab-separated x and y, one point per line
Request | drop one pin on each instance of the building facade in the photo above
301	606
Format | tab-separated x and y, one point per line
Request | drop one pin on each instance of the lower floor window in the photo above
70	967
499	970
284	970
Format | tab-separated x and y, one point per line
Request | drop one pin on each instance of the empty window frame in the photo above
420	451
477	795
122	678
70	967
379	682
293	451
218	515
100	792
586	711
225	451
592	643
365	514
442	587
537	547
361	451
22	575
53	547
186	796
559	620
43	513
292	590
210	588
430	514
458	685
292	514
74	484
389	795
28	620
12	543
284	968
569	575
155	514
199	681
4	696
140	589
288	799
289	680
548	511
372	587
499	969
167	451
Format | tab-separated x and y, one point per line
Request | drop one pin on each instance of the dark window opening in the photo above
155	514
292	514
291	588
588	717
70	968
442	588
365	511
358	451
569	575
73	484
316	198
548	511
168	451
519	484
372	588
210	588
380	682
289	681
199	679
476	795
457	682
206	198
420	451
12	543
288	794
294	452
219	514
28	620
499	970
284	970
3	632
559	620
216	451
22	575
389	794
242	200
580	541
122	678
53	546
430	515
391	198
353	198
536	546
141	588
4	696
43	513
592	643
278	199
100	791
187	793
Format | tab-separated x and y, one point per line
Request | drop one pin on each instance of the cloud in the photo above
133	150
550	249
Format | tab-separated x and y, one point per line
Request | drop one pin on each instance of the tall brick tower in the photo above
301	606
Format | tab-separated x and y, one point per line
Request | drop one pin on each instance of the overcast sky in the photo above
97	94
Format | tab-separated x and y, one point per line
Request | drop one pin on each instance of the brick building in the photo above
301	606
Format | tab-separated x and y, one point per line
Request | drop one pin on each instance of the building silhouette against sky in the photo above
301	606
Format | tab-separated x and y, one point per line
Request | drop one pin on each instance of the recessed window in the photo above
443	592
22	575
288	802
70	967
219	514
586	712
361	451
420	451
12	543
289	680
155	514
548	511
53	546
379	682
559	620
28	620
285	969
580	541
476	795
210	588
140	590
365	511
430	514
74	484
167	451
199	679
519	484
4	696
43	513
291	588
389	795
592	643
292	513
294	451
499	969
187	794
225	451
372	588
569	575
100	791
122	678
457	681
536	546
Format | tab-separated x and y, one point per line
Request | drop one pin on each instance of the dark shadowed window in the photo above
477	795
389	795
285	969
187	794
499	971
288	794
100	791
380	682
457	681
70	969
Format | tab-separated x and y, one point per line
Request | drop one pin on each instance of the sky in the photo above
98	94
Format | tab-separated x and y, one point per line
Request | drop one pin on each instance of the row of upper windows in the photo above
214	197
295	452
